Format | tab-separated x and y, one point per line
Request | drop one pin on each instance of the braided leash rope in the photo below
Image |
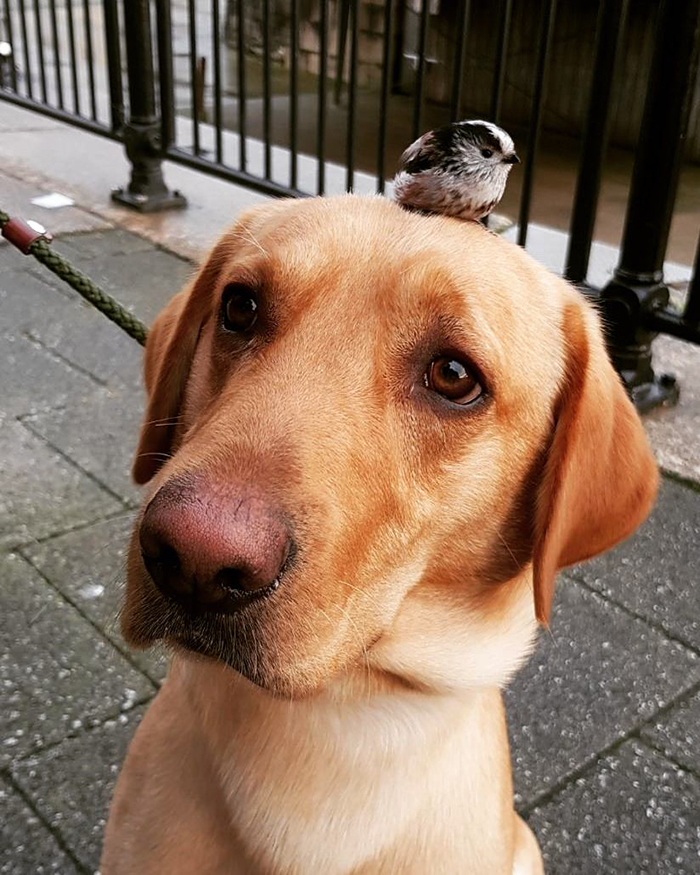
32	242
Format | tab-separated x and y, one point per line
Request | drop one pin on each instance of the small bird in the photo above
458	170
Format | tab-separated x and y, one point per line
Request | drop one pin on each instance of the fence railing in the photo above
304	97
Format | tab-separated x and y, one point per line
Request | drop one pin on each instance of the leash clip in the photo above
23	234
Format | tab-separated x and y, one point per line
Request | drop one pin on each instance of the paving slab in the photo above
26	846
15	118
89	566
138	274
88	342
595	676
58	674
143	281
33	378
657	572
25	292
40	491
17	195
46	320
677	734
71	785
674	431
100	433
635	813
98	244
67	329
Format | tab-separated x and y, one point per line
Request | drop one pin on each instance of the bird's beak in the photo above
511	159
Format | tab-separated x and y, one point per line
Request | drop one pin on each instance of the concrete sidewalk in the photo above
605	718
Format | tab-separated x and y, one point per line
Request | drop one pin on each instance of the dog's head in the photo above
373	437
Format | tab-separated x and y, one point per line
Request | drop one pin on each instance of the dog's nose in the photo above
212	549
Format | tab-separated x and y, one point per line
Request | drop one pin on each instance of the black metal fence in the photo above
303	97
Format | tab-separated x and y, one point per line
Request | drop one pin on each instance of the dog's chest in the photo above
341	791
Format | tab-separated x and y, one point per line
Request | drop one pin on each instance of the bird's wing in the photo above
419	155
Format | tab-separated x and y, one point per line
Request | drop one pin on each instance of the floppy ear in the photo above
600	478
170	348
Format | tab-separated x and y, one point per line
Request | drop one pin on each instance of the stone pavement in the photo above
605	719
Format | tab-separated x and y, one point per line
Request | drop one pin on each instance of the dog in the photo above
372	438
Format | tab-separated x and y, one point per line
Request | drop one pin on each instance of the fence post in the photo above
609	37
637	289
147	191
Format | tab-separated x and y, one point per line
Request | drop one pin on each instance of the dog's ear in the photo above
600	478
170	348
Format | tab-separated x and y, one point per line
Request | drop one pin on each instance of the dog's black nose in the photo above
213	548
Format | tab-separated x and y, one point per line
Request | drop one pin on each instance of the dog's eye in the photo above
487	153
453	380
239	308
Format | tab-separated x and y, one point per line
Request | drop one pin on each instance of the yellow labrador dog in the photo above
372	439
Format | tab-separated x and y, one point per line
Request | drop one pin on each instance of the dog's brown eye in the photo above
240	308
453	380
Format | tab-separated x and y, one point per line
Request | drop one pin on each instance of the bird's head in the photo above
476	149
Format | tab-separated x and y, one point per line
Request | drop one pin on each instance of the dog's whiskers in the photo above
373	599
510	552
247	235
355	632
167	420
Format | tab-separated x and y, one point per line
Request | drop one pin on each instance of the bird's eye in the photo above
239	308
453	379
487	153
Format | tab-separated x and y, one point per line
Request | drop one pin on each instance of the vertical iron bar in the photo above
267	88
216	55
637	291
139	57
610	29
352	99
56	52
460	51
90	59
192	31
657	163
11	39
399	41
420	70
73	61
538	98
166	80
146	191
293	89
691	311
241	87
114	64
322	88
25	48
384	93
40	51
342	23
499	70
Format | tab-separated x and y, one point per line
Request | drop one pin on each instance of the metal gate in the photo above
274	95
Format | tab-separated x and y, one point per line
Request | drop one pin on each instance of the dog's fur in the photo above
352	721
